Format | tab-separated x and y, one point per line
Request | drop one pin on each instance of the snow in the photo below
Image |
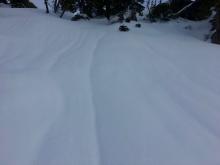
39	3
82	93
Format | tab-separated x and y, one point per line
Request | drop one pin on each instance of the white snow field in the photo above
83	93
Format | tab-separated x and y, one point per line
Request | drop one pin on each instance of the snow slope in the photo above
82	93
39	3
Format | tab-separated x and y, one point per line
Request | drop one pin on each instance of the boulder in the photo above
123	28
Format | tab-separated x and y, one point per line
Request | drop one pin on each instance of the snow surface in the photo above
82	93
39	3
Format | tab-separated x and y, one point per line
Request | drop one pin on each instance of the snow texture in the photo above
83	93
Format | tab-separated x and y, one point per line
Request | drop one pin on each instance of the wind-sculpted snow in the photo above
82	93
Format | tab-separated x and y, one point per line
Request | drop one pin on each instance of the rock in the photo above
123	28
138	25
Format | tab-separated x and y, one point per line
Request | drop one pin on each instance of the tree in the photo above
216	25
4	1
21	4
46	4
136	7
105	8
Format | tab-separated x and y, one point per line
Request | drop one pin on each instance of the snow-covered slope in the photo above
82	93
39	3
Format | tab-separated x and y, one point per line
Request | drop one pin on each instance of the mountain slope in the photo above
83	93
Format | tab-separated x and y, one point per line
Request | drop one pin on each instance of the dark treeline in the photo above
128	10
19	3
193	10
92	8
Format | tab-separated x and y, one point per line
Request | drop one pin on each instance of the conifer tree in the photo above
21	4
105	8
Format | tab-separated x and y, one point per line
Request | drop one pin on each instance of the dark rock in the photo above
123	28
138	25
